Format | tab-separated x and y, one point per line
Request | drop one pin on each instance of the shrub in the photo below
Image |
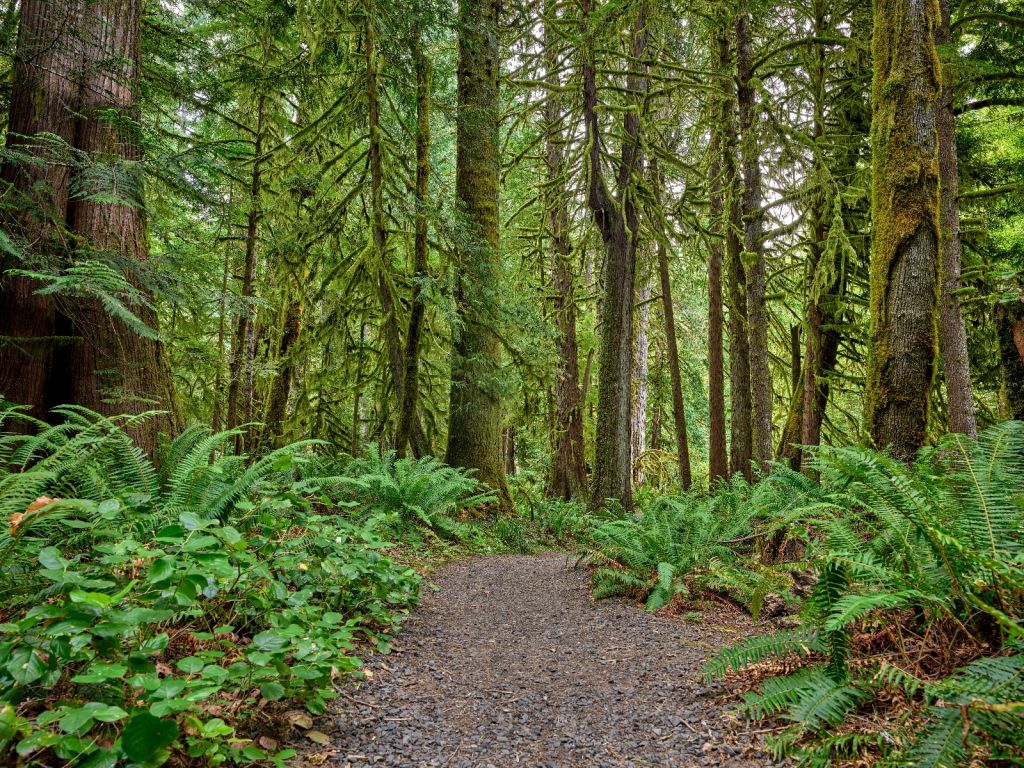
914	626
157	612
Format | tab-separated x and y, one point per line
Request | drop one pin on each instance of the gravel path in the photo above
513	663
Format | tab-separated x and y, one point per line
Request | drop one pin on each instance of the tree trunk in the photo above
408	422
475	412
757	312
788	445
568	476
952	333
905	224
281	388
741	447
44	100
641	360
718	467
240	360
678	406
618	222
1009	320
113	369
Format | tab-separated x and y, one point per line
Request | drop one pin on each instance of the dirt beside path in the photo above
512	663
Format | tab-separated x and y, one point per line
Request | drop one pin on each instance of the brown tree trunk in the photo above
788	445
741	437
1009	321
44	100
112	369
718	466
408	422
757	311
475	412
240	360
678	406
905	224
568	476
641	367
618	222
281	388
956	361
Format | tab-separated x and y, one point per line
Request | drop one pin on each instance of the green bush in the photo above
680	545
918	600
154	612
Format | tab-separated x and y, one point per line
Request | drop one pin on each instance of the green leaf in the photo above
269	641
145	735
52	559
272	691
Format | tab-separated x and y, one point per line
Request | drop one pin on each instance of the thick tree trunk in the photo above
568	476
618	222
718	466
408	421
678	405
44	100
475	413
757	311
952	333
641	365
788	445
741	437
905	224
112	369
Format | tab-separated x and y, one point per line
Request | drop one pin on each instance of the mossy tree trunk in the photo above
740	418
568	474
475	411
956	363
753	245
718	463
407	417
617	219
906	93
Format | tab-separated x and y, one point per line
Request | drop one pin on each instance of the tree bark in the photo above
741	437
240	360
641	367
718	467
1009	321
475	412
618	222
568	476
112	369
757	312
44	100
952	333
905	224
678	405
408	422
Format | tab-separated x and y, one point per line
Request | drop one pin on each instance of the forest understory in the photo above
681	342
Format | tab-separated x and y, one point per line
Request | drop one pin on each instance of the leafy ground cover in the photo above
193	611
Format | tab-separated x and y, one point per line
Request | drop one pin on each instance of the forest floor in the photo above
512	662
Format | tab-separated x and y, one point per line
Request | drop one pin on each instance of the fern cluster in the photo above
678	545
918	601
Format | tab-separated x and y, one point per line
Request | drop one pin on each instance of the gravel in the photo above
512	662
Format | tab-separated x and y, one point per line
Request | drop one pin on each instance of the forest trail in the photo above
512	662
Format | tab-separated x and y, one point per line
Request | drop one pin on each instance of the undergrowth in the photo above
182	611
910	650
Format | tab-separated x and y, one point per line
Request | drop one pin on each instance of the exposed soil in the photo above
512	662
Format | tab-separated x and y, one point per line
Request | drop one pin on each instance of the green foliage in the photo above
150	613
407	492
932	552
679	545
